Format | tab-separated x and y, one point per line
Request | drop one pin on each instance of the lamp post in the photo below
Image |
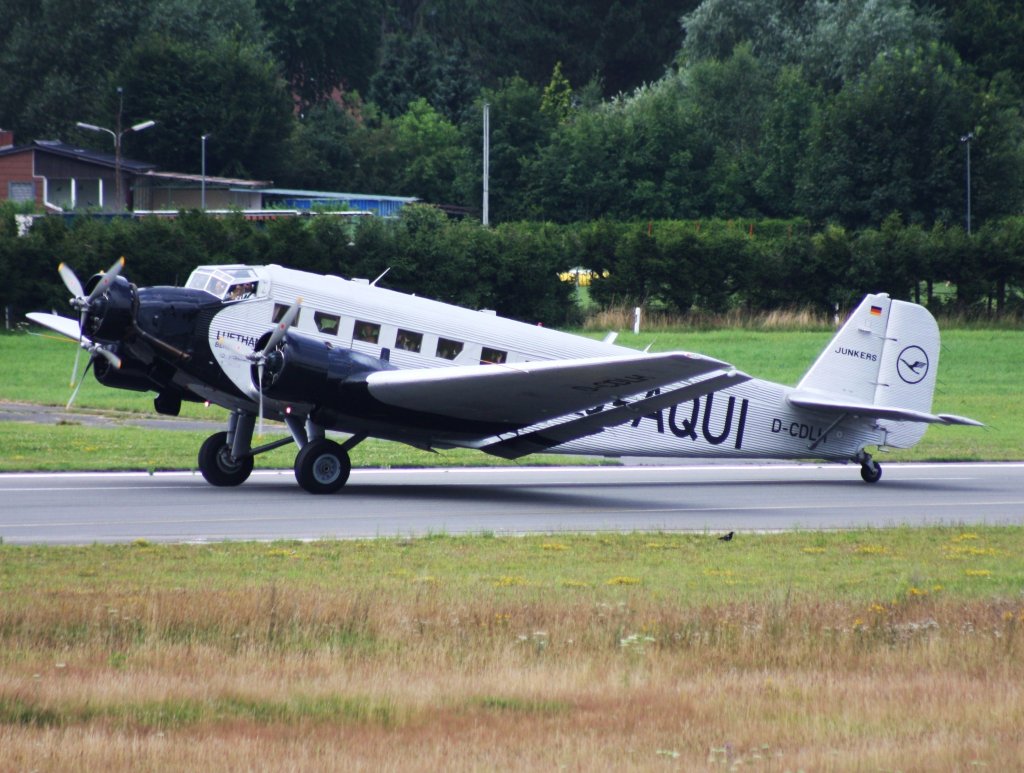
117	134
204	137
966	140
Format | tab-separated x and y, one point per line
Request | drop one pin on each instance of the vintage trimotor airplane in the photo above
324	353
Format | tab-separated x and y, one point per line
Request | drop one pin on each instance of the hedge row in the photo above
514	268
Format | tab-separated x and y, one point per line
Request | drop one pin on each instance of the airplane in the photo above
323	353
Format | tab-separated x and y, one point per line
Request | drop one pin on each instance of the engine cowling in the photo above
310	370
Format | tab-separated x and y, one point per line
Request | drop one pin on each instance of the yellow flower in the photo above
620	580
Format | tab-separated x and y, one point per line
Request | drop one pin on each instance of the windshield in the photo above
233	284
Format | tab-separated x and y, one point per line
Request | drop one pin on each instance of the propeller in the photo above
79	300
93	349
259	358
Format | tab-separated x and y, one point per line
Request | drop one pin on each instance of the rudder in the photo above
887	355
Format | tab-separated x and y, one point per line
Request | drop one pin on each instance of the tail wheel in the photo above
322	467
871	471
217	464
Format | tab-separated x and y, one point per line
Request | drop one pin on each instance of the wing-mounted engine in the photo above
309	370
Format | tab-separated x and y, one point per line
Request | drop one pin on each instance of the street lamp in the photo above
966	140
117	135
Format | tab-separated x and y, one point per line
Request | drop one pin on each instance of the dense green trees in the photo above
843	116
834	111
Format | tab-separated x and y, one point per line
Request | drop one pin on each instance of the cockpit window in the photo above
233	284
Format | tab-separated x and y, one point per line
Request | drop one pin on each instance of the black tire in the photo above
217	464
322	467
871	472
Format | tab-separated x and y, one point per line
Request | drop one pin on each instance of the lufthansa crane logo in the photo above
912	364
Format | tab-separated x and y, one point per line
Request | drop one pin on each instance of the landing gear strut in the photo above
226	458
321	466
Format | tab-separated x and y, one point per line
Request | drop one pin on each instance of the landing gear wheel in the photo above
322	467
217	464
871	471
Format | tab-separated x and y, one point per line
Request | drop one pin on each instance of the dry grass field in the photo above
634	652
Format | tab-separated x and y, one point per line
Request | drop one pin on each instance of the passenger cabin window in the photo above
490	356
409	341
448	349
367	332
327	323
279	312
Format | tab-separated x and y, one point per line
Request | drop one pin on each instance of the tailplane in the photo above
881	364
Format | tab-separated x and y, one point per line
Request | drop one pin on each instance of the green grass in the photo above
866	565
979	376
68	446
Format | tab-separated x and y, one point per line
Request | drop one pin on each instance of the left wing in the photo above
531	392
548	437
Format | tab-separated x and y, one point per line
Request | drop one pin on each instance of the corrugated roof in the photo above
210	179
58	148
334	195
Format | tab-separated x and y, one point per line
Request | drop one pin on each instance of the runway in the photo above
83	508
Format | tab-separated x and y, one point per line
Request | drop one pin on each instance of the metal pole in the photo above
119	203
204	173
487	162
966	139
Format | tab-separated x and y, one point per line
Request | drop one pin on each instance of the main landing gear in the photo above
870	470
321	466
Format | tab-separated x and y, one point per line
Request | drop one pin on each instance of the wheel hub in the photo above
326	469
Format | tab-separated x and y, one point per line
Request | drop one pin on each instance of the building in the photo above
383	206
59	177
175	191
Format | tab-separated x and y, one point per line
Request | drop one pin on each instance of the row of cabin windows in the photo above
406	340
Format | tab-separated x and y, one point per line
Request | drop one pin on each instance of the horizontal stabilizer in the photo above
528	393
63	325
549	437
867	410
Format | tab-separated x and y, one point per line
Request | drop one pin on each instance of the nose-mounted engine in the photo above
111	315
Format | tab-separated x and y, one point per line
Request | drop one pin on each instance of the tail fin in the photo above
881	363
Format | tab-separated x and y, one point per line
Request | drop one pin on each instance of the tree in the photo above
231	91
430	156
323	46
322	148
888	142
60	58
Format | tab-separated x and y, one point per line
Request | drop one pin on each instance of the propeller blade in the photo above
75	393
106	280
282	326
70	280
74	368
259	387
110	357
78	353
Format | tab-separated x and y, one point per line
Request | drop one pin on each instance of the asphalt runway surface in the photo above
82	508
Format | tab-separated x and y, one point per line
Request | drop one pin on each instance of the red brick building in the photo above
61	177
